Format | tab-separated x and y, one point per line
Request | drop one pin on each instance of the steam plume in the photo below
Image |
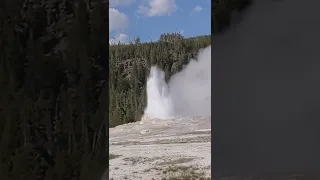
188	92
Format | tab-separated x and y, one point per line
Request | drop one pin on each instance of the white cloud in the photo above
117	20
122	38
114	3
158	8
197	9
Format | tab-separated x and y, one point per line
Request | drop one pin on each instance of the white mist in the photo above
188	92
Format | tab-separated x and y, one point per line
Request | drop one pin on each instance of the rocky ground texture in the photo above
161	149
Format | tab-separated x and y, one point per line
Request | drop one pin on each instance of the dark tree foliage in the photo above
53	89
129	69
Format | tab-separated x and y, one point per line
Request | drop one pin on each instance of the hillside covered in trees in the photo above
130	65
54	89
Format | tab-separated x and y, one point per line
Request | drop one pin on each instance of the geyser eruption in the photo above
159	101
188	92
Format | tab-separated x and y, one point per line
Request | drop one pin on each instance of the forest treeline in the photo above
54	89
130	65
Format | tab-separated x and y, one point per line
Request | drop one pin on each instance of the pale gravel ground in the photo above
149	156
147	147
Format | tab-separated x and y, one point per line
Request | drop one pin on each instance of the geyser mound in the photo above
188	92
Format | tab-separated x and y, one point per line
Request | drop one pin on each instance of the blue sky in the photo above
150	18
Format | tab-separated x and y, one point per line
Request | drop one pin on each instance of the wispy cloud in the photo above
197	9
158	8
117	20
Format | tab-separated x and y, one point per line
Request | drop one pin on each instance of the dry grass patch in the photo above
177	161
113	156
183	173
139	159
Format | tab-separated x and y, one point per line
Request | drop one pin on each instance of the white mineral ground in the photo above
148	147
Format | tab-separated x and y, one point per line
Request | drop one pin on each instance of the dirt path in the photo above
155	149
